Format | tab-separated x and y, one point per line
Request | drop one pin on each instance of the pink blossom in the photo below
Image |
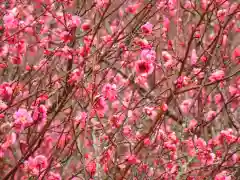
166	23
185	105
16	60
169	64
198	72
127	130
63	140
132	9
76	21
233	90
148	110
221	14
100	106
107	40
203	58
91	167
41	99
224	40
20	47
22	119
171	168
204	4
182	81
40	162
235	158
189	5
54	176
217	75
142	81
200	143
164	107
213	143
206	157
173	138
170	146
10	21
132	159
144	67
218	98
81	119
101	3
143	167
147	142
86	25
75	76
116	121
148	55
192	124
35	165
228	136
40	114
5	91
166	56
10	140
211	115
65	36
110	91
29	166
147	28
4	50
143	43
222	176
162	135
236	54
233	7
93	88
194	57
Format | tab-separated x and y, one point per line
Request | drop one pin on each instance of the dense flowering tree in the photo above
119	89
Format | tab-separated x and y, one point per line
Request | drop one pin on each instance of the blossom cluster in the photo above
127	89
